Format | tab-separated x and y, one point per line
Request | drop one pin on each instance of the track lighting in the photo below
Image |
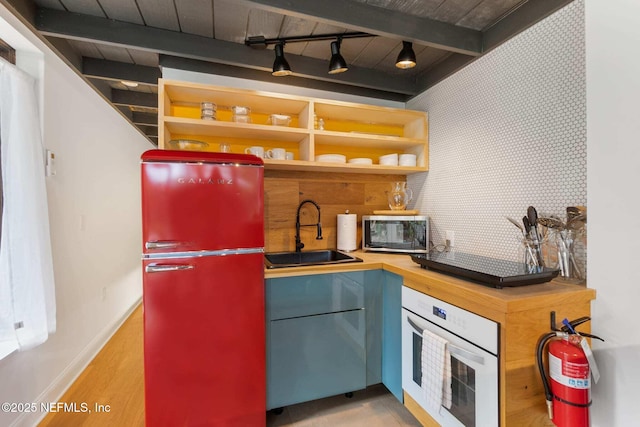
280	65
337	63
407	57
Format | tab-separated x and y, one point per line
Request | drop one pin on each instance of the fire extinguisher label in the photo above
572	375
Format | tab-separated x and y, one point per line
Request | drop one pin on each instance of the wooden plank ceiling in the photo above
110	41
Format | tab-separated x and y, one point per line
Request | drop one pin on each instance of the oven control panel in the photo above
474	328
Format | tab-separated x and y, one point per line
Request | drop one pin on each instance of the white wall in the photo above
550	101
94	208
613	176
506	132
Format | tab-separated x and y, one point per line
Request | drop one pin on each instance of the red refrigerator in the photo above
203	289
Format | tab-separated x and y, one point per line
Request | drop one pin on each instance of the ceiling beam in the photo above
126	111
527	14
102	86
113	70
293	80
66	50
24	9
146	119
513	23
132	98
393	24
442	70
93	29
149	130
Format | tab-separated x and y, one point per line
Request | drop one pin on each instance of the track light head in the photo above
280	65
407	57
337	64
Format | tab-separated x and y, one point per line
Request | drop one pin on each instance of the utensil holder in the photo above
571	266
528	254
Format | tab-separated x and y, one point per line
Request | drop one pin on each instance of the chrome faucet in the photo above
299	244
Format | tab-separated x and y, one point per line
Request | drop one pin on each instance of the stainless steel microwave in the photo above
391	233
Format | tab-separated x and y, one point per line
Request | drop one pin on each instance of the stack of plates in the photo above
331	158
361	161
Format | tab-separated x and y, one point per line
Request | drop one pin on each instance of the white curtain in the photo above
27	296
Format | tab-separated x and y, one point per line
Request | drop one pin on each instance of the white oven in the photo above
471	341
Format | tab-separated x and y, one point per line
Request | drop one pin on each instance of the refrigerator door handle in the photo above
161	268
162	244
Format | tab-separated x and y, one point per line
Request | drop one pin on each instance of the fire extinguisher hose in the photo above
542	342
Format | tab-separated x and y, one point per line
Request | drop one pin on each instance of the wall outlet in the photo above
449	240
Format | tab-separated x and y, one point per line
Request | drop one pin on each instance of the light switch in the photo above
50	165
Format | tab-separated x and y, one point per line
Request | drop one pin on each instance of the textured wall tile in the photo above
506	132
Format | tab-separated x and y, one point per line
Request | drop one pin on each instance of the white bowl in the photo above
279	120
331	158
241	118
407	160
240	110
187	144
389	159
361	161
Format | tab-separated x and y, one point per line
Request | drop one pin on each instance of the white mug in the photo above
288	155
256	151
276	153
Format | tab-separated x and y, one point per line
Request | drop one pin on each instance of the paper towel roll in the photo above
347	231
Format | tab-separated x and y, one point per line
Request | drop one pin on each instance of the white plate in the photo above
361	161
331	158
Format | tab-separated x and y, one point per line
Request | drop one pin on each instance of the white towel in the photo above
436	371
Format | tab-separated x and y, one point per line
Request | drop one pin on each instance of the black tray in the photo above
493	272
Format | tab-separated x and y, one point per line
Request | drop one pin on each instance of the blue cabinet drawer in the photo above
316	294
316	356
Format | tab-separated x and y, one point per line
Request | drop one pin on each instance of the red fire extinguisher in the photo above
568	392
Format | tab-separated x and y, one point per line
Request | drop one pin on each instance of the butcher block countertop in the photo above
523	313
484	300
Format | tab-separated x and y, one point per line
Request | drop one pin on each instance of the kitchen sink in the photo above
299	259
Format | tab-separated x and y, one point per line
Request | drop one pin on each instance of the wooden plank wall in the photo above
335	193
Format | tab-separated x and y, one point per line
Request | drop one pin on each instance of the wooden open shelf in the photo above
354	130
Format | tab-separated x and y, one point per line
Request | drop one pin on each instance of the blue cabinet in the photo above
329	334
315	337
391	333
316	356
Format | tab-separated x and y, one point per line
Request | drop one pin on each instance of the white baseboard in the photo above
59	386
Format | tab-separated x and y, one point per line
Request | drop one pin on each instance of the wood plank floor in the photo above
115	378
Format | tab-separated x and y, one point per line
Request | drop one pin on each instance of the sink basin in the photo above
298	259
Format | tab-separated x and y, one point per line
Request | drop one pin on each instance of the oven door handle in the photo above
453	349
